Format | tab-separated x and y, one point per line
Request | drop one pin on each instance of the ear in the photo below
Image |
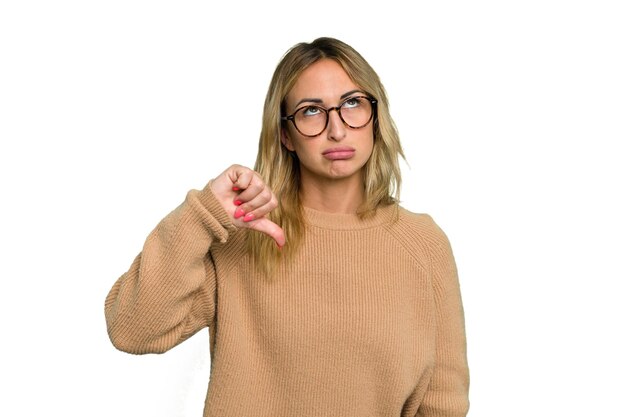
286	140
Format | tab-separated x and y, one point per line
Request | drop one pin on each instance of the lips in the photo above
339	149
343	152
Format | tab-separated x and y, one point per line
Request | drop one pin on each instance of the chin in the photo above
343	173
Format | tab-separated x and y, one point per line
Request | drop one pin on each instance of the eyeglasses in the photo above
355	112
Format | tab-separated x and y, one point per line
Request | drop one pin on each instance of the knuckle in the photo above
237	167
257	187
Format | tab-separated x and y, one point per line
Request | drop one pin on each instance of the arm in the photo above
447	394
168	294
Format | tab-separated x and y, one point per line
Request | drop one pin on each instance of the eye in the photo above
352	102
311	111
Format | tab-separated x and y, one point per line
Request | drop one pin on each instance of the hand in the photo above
247	199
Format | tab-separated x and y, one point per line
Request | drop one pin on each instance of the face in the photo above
339	152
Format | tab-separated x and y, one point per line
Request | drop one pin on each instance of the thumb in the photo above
265	225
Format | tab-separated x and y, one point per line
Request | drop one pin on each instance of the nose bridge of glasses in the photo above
338	109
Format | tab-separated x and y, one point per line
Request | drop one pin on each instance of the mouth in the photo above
343	152
338	149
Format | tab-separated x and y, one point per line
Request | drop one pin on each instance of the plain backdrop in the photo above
512	118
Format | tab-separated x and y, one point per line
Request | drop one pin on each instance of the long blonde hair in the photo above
280	168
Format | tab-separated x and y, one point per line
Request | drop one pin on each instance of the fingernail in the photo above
248	217
238	213
237	202
235	188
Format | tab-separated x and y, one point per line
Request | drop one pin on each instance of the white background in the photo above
512	117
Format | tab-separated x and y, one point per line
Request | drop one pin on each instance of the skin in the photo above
334	186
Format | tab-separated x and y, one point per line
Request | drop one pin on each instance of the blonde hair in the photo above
280	168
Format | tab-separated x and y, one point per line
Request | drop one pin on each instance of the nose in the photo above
336	128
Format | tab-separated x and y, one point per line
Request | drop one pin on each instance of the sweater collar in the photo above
342	221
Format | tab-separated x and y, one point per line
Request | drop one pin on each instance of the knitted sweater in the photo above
366	321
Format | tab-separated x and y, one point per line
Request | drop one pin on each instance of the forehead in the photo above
325	80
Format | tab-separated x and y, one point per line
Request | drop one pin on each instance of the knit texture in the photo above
366	321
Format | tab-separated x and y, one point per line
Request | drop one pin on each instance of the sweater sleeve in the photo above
168	294
448	392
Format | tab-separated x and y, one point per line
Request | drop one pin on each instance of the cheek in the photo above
306	150
368	140
302	148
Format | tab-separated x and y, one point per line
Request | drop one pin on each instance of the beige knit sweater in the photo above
367	321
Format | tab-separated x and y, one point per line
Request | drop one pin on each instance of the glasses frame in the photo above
327	111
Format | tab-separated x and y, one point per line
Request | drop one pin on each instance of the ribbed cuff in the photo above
218	220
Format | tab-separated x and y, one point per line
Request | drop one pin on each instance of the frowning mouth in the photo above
342	152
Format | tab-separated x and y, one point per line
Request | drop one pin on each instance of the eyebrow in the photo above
320	101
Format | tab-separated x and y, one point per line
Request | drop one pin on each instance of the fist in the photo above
247	199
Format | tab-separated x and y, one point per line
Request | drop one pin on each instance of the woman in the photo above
323	297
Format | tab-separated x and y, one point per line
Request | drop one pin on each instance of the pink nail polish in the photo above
248	217
237	203
235	188
238	213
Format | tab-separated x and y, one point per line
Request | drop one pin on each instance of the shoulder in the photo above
419	226
418	233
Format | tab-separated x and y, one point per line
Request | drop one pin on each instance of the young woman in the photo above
323	296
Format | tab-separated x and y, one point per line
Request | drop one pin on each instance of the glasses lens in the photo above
356	111
310	120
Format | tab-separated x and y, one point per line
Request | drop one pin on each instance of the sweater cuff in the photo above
211	204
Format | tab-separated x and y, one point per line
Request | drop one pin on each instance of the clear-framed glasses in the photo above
311	120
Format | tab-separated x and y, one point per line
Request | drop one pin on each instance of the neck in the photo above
333	195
